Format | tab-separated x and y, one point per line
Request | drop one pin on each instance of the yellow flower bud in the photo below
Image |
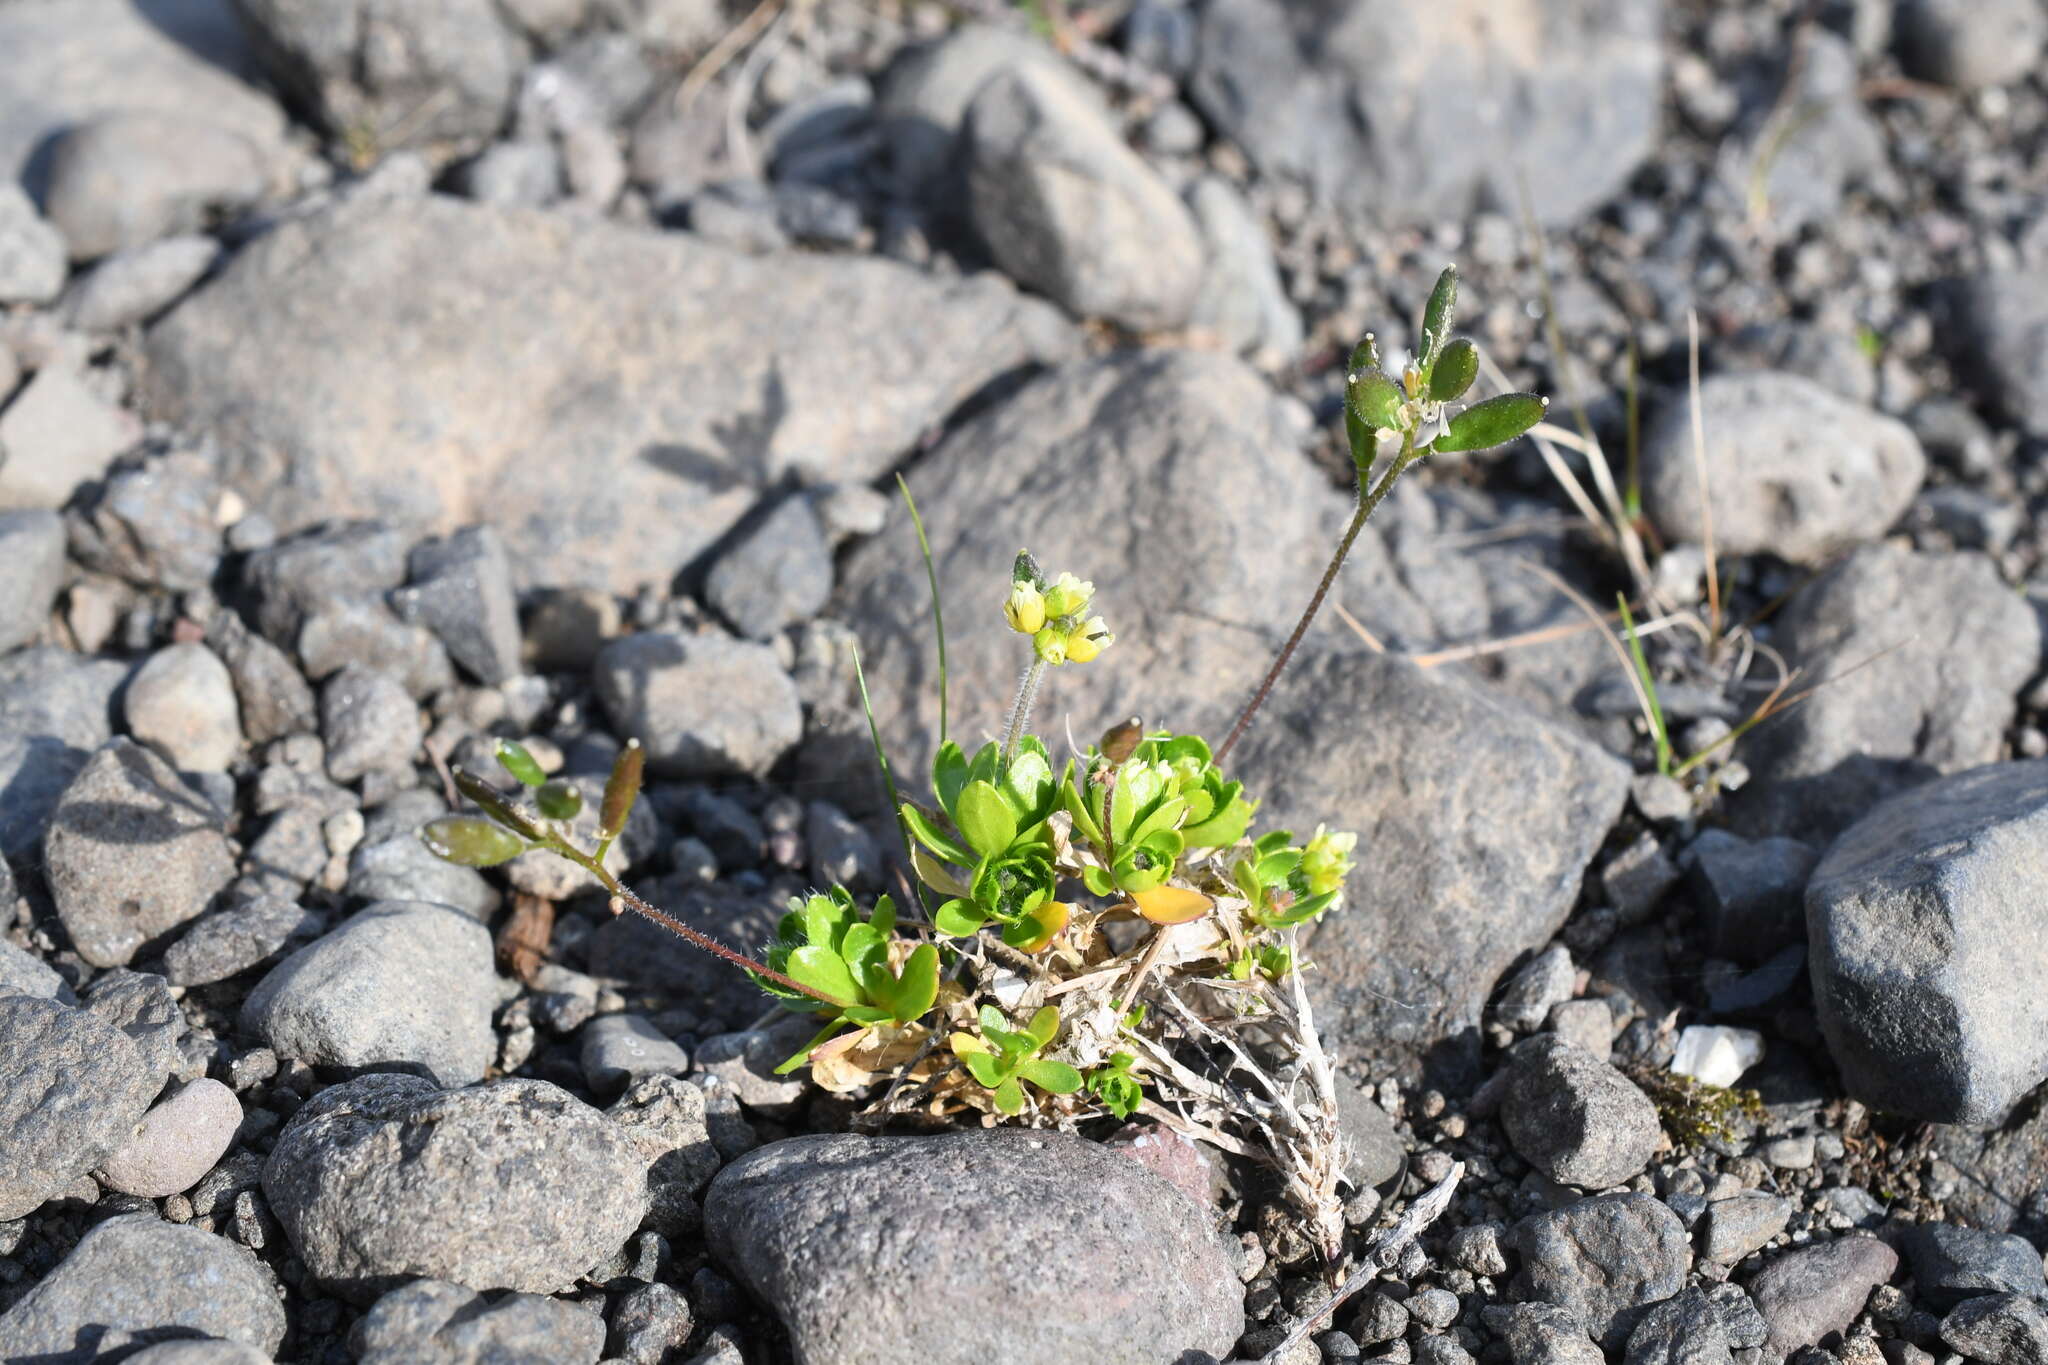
1068	596
1088	639
1051	644
1024	609
1326	860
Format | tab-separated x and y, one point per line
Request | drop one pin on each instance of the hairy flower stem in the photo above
1368	502
1020	709
625	899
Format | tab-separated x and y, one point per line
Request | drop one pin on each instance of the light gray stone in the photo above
153	522
1241	302
398	986
401	868
32	255
1604	1259
720	376
1930	967
138	1279
461	589
1792	470
177	1142
1543	982
1999	1329
181	703
369	723
511	1185
135	285
1996	321
55	710
1901	705
58	433
236	938
777	574
72	1087
1070	211
32	546
131	854
1135	1271
433	1322
1970	43
127	179
1809	1292
704	706
1735	1227
620	1048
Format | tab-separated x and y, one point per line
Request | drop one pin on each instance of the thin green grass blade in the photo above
924	548
1658	729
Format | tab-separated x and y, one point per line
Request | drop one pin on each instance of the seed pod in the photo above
1494	422
471	841
494	805
1437	317
621	789
1455	370
558	800
1375	398
518	762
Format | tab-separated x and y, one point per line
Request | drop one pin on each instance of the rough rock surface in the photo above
721	375
1605	1259
72	1087
137	1275
511	1185
1929	975
1103	1259
1575	1118
132	853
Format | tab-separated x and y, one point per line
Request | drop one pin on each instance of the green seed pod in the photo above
1364	441
1365	356
1494	422
1437	317
520	763
1455	370
1375	398
494	805
621	789
471	841
558	800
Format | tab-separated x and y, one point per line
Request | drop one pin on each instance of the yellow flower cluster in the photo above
1052	614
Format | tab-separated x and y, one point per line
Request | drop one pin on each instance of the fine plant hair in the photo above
1092	938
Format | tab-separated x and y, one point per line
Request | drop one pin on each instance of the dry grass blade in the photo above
1699	464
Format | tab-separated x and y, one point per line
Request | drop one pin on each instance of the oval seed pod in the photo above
521	764
559	800
471	841
1455	370
621	789
1437	317
1375	398
1492	423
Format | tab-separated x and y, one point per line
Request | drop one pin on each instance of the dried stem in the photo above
1367	504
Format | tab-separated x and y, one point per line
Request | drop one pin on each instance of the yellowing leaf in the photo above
1172	904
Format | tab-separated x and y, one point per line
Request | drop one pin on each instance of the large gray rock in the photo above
136	1279
1462	803
70	61
32	546
703	705
976	1246
1605	1259
1811	1291
398	986
1970	43
1929	946
1173	471
1575	1118
675	381
132	853
511	1185
387	74
1999	322
923	100
1920	657
1071	211
55	710
433	1322
125	180
1414	113
2002	1329
1791	469
72	1087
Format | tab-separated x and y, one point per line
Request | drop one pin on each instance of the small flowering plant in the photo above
1102	932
